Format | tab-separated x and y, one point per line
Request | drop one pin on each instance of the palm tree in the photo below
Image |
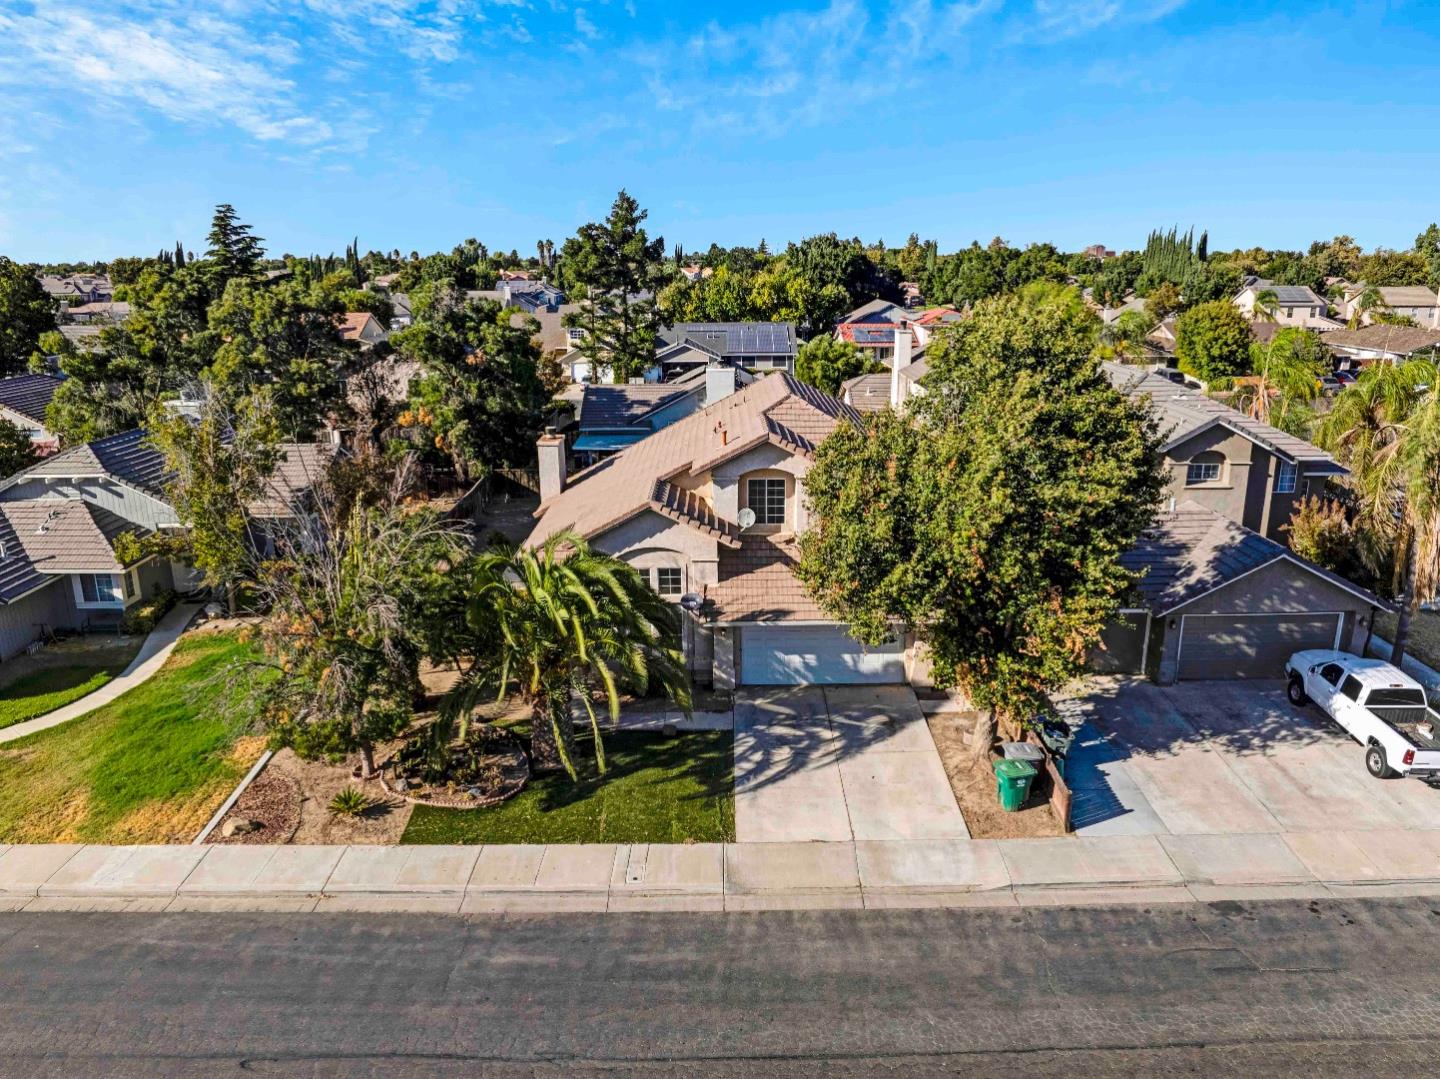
1386	430
1267	305
558	622
1284	382
1370	300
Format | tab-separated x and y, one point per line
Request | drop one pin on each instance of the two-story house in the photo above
709	508
1220	595
1294	305
756	347
62	518
1411	301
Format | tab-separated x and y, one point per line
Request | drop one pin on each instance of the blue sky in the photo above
417	123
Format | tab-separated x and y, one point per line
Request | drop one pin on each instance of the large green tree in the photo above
26	312
16	449
1212	341
234	250
560	623
479	396
826	363
619	268
991	519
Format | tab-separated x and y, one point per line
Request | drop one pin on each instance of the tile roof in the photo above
28	394
778	410
60	535
355	323
1408	296
1183	412
868	393
126	457
1194	550
1382	337
301	466
18	575
757	583
937	314
622	405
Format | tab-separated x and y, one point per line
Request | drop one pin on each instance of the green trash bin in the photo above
1012	780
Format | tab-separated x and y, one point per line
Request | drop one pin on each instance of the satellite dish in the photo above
746	517
691	601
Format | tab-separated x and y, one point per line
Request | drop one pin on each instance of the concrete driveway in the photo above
1207	758
838	763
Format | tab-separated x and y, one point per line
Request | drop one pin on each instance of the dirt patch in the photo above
974	785
272	802
318	782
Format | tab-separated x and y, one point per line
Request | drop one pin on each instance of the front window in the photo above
1285	478
767	499
667	581
100	588
1200	472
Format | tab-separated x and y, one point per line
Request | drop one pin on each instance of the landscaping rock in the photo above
238	826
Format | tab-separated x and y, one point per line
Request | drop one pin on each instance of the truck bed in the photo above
1407	721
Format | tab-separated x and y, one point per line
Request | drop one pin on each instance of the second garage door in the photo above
1253	646
815	655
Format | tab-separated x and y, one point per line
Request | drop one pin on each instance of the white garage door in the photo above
810	655
1254	646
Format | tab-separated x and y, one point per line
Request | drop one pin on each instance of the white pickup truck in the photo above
1380	706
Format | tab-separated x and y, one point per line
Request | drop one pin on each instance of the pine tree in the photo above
179	260
233	251
621	269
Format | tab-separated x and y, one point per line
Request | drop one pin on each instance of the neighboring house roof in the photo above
126	457
732	338
1184	412
604	407
1407	296
360	325
1192	550
778	410
554	334
757	583
1382	337
393	375
117	310
1288	295
28	395
300	467
876	311
937	315
867	393
62	535
81	335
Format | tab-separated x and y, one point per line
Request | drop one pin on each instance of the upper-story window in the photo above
667	581
767	498
1285	478
575	333
1204	468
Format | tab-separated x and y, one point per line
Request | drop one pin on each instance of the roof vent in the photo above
45	524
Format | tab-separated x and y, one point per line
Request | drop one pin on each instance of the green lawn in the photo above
149	767
656	790
52	687
1424	635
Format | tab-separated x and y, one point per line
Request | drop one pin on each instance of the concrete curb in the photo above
1118	870
229	803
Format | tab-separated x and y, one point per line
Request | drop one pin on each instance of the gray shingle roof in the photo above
1396	340
301	466
876	311
28	394
620	406
126	457
1194	550
735	338
1183	412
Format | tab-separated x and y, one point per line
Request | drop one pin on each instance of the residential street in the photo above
1323	988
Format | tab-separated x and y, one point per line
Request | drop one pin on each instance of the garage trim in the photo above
1339	617
1144	641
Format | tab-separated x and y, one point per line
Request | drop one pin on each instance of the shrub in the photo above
143	617
350	802
1319	531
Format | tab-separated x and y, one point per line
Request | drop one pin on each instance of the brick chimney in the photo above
900	361
550	448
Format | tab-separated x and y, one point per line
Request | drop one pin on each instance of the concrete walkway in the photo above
151	657
1105	870
838	763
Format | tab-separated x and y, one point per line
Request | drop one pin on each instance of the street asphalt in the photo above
1325	987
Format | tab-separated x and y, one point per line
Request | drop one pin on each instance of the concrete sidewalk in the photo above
152	655
1101	870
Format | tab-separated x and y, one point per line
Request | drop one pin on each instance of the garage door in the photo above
1236	646
811	655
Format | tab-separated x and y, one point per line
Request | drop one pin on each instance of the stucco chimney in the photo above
719	382
551	450
900	361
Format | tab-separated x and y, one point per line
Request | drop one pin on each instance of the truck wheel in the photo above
1376	764
1296	691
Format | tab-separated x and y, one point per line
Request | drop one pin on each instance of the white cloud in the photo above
583	26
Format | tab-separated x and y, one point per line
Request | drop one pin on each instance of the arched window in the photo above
1208	467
